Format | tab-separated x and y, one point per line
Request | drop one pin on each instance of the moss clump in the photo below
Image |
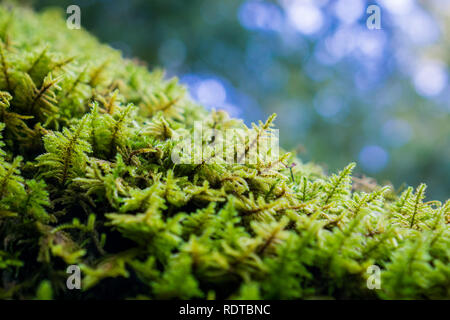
86	178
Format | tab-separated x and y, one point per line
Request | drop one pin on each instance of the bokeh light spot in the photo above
397	6
396	132
419	26
430	78
211	92
260	15
327	106
305	17
349	11
373	158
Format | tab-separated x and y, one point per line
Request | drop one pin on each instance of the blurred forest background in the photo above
342	92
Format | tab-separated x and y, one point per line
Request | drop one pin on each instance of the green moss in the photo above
86	178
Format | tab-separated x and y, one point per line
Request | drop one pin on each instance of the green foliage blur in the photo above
342	92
